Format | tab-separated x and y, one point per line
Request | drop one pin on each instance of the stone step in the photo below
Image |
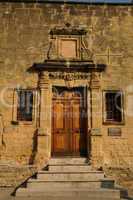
61	198
69	185
75	194
70	176
70	168
67	161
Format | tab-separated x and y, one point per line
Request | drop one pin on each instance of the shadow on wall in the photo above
34	149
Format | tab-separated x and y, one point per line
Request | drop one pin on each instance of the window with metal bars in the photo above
113	106
25	105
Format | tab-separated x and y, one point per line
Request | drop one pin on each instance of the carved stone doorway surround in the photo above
76	74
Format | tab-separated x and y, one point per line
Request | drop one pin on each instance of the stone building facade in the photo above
49	53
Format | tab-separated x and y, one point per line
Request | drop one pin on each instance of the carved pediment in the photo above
65	31
68	30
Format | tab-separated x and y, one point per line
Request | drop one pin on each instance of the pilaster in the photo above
44	129
96	119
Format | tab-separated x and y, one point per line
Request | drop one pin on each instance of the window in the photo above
25	105
113	106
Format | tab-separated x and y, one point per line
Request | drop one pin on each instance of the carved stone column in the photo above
96	120
44	130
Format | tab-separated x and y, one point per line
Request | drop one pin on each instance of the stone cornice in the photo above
70	2
68	66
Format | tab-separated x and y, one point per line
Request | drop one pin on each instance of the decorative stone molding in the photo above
42	132
69	76
70	84
44	79
95	80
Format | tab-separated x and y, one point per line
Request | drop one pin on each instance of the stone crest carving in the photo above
64	35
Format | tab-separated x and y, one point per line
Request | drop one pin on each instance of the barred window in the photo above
25	105
113	106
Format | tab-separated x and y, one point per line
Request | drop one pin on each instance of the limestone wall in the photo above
24	40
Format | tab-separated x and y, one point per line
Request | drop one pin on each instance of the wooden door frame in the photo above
88	112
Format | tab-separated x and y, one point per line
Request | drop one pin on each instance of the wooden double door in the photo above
69	122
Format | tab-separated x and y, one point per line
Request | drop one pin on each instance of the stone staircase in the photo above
70	178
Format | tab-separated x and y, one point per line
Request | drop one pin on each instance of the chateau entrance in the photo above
69	122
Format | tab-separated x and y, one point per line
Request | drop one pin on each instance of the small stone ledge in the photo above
96	132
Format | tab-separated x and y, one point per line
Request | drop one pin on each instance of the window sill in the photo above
22	123
15	123
26	122
113	123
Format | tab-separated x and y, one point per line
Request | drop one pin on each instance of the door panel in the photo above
76	143
68	129
59	127
75	115
60	144
58	118
75	124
